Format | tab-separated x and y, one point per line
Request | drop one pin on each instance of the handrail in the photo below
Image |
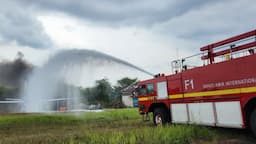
211	54
229	40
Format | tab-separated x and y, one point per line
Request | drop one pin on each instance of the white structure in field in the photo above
127	100
127	96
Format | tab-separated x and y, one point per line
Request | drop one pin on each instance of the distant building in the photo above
128	98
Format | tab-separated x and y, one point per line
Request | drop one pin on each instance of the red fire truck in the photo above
221	92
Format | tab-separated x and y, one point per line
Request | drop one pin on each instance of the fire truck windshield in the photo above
146	89
142	90
150	88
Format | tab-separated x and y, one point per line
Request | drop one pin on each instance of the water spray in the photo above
45	82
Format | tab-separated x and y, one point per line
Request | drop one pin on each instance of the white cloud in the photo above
134	44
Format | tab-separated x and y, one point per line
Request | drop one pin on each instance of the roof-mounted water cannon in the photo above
159	75
176	66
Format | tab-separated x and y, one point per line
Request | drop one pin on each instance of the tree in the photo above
122	84
125	82
103	90
103	93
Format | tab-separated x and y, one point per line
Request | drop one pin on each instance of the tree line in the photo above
105	94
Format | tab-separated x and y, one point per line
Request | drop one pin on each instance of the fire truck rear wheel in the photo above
160	116
253	122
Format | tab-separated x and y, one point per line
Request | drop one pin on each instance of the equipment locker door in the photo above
162	90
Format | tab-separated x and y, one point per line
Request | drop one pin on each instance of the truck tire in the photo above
160	116
253	122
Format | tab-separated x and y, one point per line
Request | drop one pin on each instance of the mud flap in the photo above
146	117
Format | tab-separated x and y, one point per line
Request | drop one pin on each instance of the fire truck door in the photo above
175	87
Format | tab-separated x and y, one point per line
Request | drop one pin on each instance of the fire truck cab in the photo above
221	92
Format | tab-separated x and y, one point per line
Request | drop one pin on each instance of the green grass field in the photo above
121	126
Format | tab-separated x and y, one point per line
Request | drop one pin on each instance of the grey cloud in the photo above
193	19
17	24
212	22
119	12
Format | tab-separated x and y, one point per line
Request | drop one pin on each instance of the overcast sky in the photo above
147	33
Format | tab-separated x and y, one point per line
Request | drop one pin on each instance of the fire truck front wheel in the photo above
160	116
253	122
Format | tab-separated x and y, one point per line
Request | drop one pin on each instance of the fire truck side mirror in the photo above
135	94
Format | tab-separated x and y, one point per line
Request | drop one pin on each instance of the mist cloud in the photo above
13	73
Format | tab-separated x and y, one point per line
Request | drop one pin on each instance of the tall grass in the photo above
122	126
150	135
112	115
36	120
